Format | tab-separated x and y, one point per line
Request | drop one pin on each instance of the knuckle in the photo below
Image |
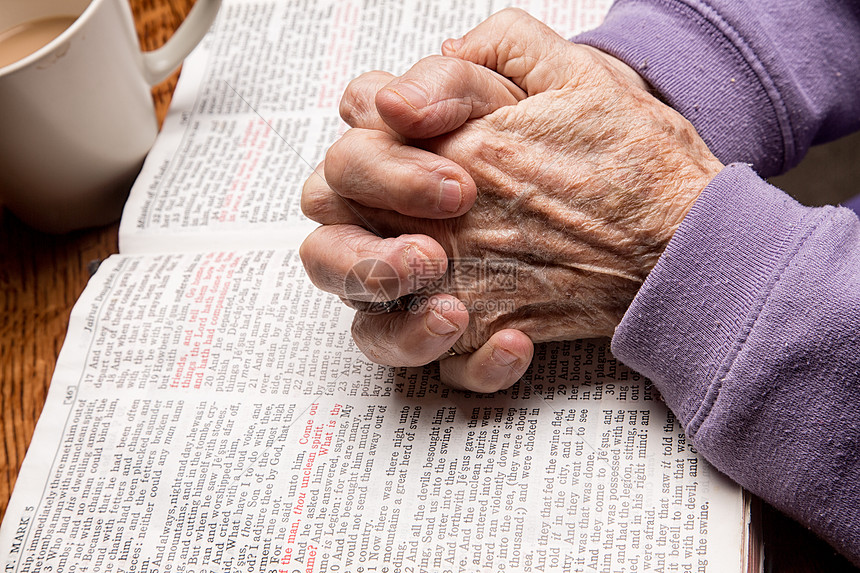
319	203
360	163
359	329
310	199
447	67
303	252
347	108
312	264
372	337
354	104
435	60
315	208
338	158
509	15
309	207
358	103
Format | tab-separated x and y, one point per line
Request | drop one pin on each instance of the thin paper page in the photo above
211	411
256	108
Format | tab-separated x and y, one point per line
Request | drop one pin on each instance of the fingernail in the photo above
452	44
412	95
502	357
450	195
438	324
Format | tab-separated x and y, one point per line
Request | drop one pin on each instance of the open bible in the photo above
210	413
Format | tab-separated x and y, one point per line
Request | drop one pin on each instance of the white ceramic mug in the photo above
76	116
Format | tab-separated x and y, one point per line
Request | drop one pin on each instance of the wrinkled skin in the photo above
582	200
580	185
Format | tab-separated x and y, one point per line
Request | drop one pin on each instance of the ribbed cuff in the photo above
697	306
702	67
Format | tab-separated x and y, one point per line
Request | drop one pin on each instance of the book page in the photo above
210	413
256	109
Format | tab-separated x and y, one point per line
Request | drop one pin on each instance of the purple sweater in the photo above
750	323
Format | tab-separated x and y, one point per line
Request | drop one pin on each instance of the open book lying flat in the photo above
209	411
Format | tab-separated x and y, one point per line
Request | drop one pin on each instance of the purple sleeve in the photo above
854	204
750	322
761	81
750	327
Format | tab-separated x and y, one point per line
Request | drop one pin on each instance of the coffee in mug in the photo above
78	117
22	40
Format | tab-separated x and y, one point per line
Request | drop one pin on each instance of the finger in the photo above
411	338
520	47
316	205
352	262
376	170
321	204
358	103
438	95
497	365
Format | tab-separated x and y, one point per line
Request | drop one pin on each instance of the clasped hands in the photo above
521	186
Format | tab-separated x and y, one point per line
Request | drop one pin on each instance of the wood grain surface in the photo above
41	277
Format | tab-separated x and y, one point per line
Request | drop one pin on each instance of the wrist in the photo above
619	66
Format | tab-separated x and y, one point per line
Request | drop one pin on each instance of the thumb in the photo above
520	47
438	95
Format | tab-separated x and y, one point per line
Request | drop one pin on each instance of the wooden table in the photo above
42	276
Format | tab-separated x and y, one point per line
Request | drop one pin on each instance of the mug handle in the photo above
160	63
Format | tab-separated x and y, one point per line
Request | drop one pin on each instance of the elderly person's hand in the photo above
577	190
